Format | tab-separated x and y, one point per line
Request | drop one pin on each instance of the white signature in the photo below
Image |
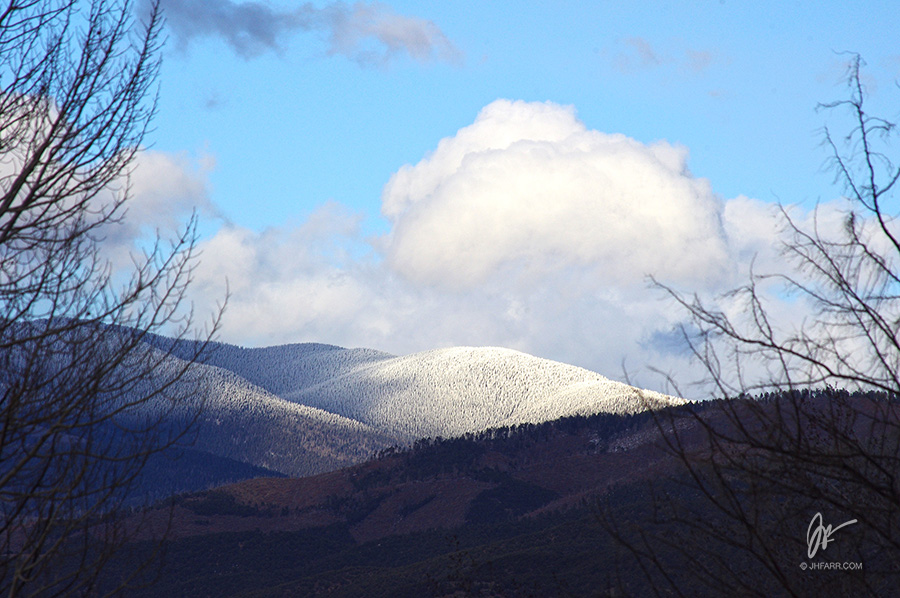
820	535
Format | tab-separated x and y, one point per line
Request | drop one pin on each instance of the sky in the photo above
408	175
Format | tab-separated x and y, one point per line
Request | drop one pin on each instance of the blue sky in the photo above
289	123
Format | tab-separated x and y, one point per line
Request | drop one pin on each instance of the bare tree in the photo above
758	480
87	392
850	282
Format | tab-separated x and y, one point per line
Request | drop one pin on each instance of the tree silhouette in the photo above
821	435
86	399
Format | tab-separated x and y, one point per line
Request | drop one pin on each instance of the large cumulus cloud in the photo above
527	188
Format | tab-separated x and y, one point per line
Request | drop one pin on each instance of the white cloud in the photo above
160	190
528	188
290	284
165	187
164	190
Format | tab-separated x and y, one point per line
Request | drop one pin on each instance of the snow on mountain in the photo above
248	423
447	392
287	368
244	422
312	407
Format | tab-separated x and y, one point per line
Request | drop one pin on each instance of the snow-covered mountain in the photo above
241	421
287	368
308	408
448	392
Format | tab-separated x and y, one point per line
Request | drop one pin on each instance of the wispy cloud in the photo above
639	54
370	34
636	54
697	61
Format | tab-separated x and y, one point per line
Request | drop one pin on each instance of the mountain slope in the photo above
573	507
288	368
394	525
243	422
308	408
448	392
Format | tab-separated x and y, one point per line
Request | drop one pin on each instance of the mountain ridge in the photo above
455	390
308	408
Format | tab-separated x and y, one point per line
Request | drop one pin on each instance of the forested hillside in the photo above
548	509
